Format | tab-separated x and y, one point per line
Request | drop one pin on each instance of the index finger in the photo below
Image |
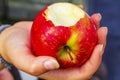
96	19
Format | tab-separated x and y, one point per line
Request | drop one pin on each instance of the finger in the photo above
93	63
82	73
5	75
96	19
102	35
80	6
96	56
25	61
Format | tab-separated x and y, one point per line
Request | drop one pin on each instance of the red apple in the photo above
65	32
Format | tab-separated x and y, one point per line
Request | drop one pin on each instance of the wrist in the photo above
2	27
3	63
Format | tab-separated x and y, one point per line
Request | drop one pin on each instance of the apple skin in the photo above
71	45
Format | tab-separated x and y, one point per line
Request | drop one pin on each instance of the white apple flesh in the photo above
65	32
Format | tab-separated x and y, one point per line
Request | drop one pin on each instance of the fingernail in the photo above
106	30
101	49
99	15
51	64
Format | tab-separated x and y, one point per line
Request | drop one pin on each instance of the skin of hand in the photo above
5	75
15	48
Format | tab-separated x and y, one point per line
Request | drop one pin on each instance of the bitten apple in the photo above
65	32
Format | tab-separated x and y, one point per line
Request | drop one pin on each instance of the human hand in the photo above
16	49
86	71
5	75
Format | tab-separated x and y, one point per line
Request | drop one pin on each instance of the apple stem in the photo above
69	52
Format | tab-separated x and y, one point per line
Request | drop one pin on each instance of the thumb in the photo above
42	64
17	51
24	60
34	65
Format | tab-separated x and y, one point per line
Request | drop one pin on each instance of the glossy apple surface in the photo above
65	32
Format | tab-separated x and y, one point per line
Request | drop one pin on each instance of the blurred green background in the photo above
12	11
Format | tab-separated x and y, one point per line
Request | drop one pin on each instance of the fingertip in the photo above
51	64
43	64
97	16
80	6
105	29
96	19
102	35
